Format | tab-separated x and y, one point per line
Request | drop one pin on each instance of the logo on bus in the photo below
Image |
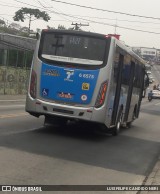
85	86
69	74
83	97
52	72
45	92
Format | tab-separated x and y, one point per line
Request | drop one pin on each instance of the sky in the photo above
135	31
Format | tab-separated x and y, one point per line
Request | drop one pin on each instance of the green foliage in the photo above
2	22
8	30
61	27
29	13
21	14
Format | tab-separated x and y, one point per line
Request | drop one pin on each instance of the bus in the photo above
85	76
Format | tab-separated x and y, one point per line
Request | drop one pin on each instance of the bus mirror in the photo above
37	36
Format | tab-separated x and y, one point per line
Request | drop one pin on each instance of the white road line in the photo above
158	103
13	115
10	106
20	131
12	100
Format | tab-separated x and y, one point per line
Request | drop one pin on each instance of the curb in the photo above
153	178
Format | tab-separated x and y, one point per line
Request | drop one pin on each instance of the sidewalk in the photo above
153	179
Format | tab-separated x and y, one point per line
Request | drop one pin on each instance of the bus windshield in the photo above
72	48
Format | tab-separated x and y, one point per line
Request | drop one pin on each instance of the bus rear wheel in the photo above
129	124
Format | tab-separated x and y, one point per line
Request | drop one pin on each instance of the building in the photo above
148	54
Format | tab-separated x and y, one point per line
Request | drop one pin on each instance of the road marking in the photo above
20	131
13	115
9	106
12	100
158	103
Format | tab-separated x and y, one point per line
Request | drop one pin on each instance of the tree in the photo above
29	13
15	26
61	27
49	27
24	29
2	23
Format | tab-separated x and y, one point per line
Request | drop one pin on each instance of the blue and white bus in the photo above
84	76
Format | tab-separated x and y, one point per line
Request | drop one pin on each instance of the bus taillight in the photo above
33	83
101	95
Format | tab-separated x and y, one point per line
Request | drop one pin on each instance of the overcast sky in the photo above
99	21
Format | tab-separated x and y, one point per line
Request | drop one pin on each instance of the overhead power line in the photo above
46	9
6	5
122	27
119	20
105	10
88	20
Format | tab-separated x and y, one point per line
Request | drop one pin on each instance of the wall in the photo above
13	80
15	61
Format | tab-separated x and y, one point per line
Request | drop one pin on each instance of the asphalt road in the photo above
76	154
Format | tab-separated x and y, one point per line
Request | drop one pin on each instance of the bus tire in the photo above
116	129
129	124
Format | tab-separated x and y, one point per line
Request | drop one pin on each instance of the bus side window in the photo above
126	70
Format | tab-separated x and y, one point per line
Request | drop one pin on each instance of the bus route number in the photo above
75	40
87	76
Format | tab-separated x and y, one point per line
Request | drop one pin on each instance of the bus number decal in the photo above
75	40
87	76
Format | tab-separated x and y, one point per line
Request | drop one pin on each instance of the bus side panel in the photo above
133	104
137	92
130	90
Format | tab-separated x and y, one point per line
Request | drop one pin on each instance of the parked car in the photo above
148	72
155	94
158	87
150	80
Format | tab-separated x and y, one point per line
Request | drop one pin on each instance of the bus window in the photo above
73	49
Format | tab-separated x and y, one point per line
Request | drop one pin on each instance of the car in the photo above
158	87
148	72
150	80
153	79
155	94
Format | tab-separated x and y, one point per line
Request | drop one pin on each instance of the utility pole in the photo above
77	26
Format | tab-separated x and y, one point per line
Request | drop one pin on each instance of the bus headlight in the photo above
33	84
101	95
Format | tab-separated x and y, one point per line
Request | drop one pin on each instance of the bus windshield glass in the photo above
72	48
